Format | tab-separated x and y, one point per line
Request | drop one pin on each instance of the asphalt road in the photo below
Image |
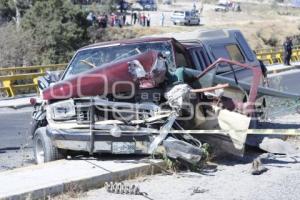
15	142
14	126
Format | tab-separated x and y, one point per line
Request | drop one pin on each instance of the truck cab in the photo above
214	44
205	47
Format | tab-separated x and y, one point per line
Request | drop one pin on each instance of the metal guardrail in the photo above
274	49
272	56
18	80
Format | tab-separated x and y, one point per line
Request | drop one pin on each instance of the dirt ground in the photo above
229	179
259	22
229	182
11	159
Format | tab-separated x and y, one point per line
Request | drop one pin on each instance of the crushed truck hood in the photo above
103	80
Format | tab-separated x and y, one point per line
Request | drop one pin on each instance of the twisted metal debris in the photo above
121	188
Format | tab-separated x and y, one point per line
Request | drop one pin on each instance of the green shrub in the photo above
111	33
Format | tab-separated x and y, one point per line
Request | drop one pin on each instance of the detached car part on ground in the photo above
137	101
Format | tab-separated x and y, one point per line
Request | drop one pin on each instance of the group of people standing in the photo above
103	20
140	18
119	20
145	20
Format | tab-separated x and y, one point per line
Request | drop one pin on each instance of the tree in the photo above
14	10
6	13
16	47
50	31
58	28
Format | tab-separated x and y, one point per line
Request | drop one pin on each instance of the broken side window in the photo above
235	53
245	47
228	51
181	57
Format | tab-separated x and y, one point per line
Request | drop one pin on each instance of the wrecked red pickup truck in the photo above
129	97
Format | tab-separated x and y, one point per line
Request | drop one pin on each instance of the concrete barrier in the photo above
273	69
17	103
54	178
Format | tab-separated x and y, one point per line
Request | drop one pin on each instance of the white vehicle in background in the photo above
167	2
137	7
225	6
190	17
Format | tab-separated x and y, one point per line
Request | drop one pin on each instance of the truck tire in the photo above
44	150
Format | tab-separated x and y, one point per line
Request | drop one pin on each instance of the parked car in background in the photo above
225	6
185	17
221	8
149	5
168	2
137	7
122	6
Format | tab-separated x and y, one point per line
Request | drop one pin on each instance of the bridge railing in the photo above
23	80
275	55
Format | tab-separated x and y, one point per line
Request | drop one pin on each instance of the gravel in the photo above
232	180
11	159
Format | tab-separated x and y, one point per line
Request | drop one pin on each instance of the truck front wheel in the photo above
44	150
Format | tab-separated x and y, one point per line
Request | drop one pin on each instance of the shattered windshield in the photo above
96	57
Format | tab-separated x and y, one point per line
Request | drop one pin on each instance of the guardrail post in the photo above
279	58
270	59
7	84
259	57
42	70
294	56
298	54
35	81
13	72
